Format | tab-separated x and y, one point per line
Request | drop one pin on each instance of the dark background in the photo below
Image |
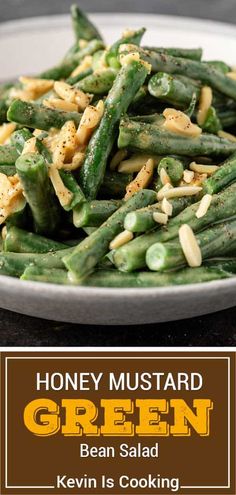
211	330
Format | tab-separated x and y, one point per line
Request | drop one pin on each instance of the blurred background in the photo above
222	10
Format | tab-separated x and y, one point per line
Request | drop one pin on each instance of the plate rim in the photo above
62	20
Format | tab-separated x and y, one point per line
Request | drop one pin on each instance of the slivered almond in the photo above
73	95
9	189
231	75
89	121
165	179
36	87
59	104
77	161
121	239
190	247
135	163
117	158
100	107
167	207
21	94
16	202
160	217
65	144
30	146
37	132
69	137
82	43
203	169
205	102
188	176
65	91
179	123
5	190
4	233
227	135
85	64
128	33
204	205
142	180
128	58
6	131
161	193
64	195
178	192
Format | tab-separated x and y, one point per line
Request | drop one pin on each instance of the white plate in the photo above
34	44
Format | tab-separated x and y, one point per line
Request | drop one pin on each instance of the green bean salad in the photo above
118	166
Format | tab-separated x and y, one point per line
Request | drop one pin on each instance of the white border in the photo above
183	487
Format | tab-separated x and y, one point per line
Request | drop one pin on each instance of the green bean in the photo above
20	216
218	240
153	118
7	170
129	79
67	177
218	65
19	138
94	213
142	220
82	26
4	95
14	264
221	208
138	99
3	111
33	173
192	53
87	255
8	154
173	167
66	67
192	105
40	274
148	138
114	185
112	54
21	241
97	58
98	83
89	230
212	122
225	174
190	68
83	29
73	80
113	278
227	117
132	255
171	89
73	186
39	116
228	264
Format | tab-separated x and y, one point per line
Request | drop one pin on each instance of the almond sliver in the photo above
190	247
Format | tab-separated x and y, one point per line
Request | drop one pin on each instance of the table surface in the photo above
211	330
